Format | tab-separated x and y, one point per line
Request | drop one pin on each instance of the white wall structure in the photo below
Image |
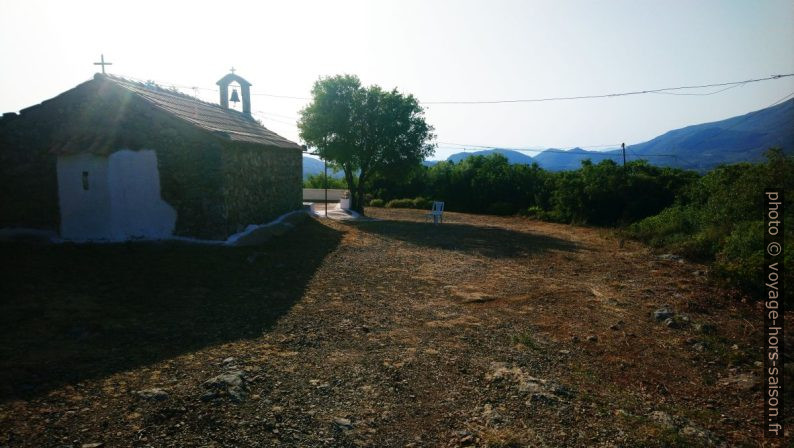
85	209
138	210
113	198
318	194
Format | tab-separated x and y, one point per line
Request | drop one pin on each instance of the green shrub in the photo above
740	262
719	220
667	228
422	203
376	203
400	203
600	194
552	216
533	212
319	181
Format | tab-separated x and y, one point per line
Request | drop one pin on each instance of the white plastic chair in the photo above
437	212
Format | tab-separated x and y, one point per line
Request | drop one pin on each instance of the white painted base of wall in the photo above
254	233
276	227
114	198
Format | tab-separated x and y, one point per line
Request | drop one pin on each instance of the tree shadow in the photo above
75	312
492	242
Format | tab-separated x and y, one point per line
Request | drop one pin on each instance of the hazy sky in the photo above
437	50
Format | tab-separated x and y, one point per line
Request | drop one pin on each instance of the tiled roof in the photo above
212	117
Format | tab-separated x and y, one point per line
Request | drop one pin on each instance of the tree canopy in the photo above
366	131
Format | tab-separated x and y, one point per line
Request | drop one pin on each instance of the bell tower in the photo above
245	91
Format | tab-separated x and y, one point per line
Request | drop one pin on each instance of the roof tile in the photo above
212	117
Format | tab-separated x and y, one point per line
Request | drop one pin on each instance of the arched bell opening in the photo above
235	101
235	93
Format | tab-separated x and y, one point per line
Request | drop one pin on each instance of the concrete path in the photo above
336	213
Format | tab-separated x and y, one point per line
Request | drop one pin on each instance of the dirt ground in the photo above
483	331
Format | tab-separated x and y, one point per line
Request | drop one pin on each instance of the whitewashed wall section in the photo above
113	198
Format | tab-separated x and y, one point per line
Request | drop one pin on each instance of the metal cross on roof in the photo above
232	70
103	63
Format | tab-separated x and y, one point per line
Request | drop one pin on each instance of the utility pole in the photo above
623	145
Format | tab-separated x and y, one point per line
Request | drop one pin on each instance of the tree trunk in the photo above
358	202
351	187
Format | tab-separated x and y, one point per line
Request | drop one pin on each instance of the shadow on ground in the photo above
74	312
493	242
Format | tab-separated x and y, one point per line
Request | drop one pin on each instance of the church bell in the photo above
234	98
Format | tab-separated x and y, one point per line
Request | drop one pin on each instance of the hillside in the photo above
737	139
699	147
512	156
315	166
559	160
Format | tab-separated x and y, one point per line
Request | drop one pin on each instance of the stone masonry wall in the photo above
216	186
260	184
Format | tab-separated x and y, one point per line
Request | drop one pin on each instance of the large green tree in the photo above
366	131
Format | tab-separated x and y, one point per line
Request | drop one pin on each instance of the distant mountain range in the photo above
512	156
316	166
699	147
560	160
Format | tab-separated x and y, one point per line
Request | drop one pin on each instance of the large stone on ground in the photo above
662	419
663	313
231	383
671	257
153	394
743	381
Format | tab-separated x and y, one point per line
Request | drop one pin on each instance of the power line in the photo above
665	90
281	96
612	95
780	100
676	156
702	94
276	120
288	117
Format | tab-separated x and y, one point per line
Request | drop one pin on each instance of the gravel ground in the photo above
483	331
